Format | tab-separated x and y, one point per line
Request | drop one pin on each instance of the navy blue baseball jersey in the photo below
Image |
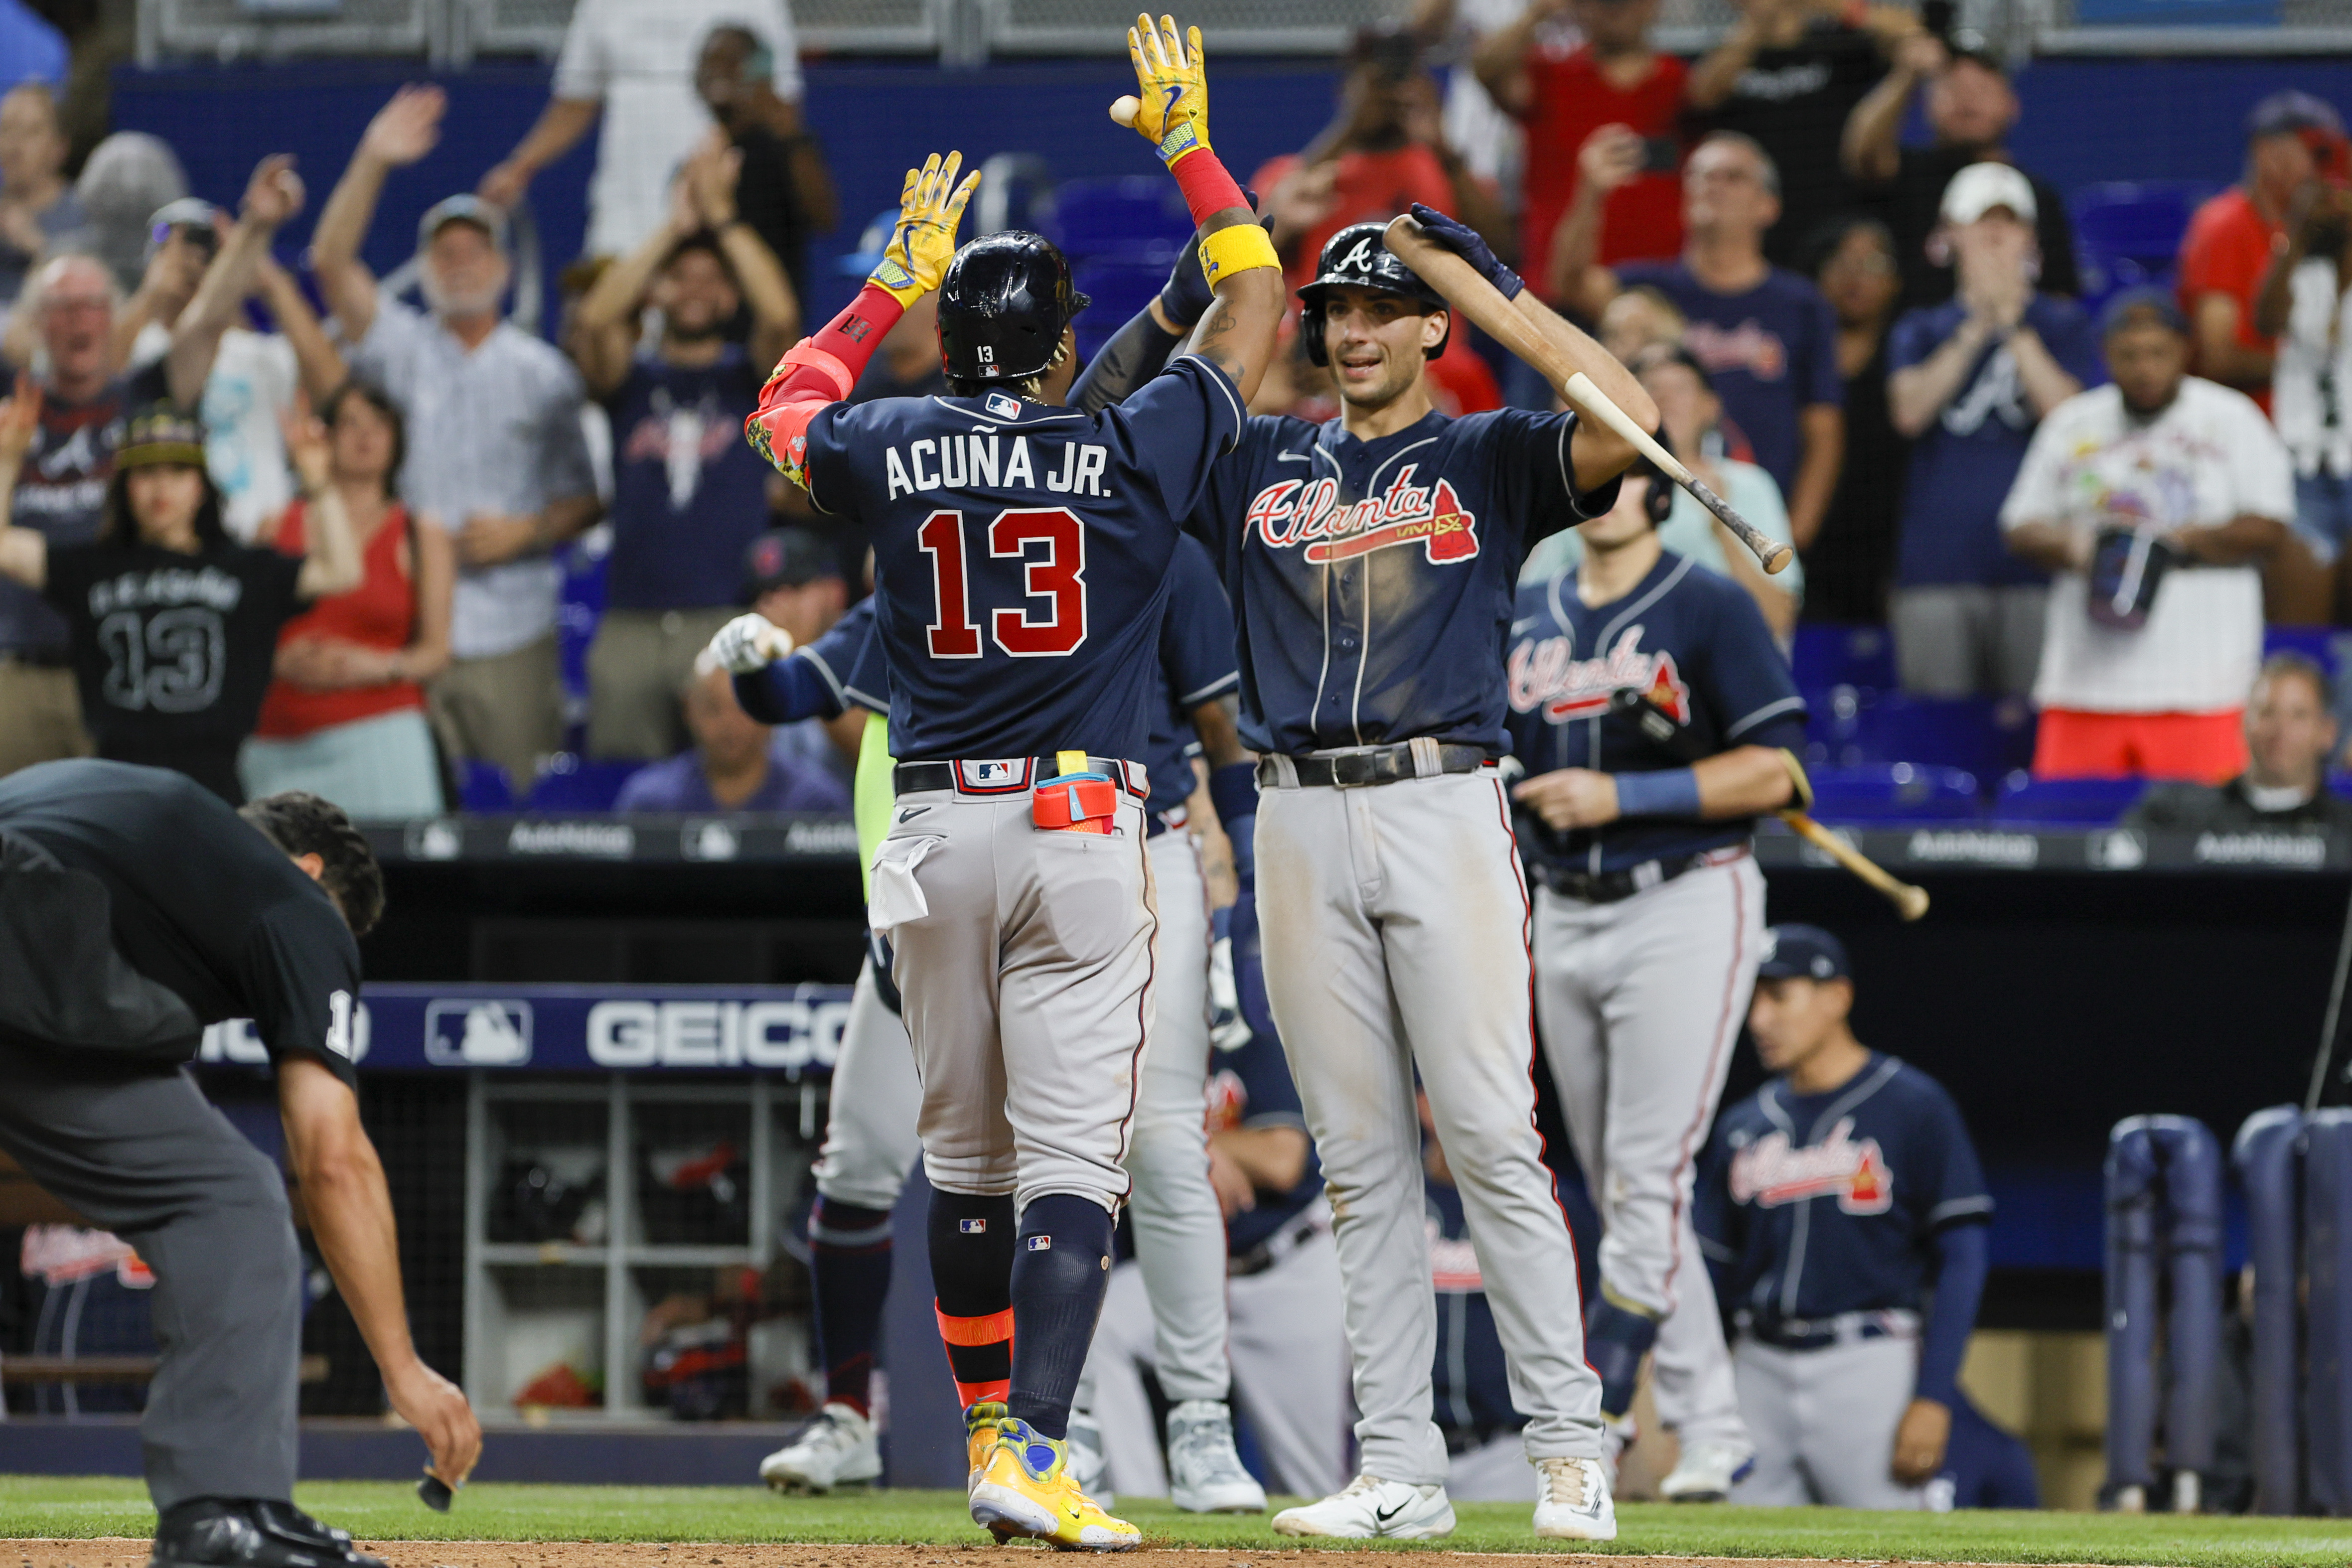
1196	663
1817	1205
1690	639
1251	1087
842	669
1020	554
1372	579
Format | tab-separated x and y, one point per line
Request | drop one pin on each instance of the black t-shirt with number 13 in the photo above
173	652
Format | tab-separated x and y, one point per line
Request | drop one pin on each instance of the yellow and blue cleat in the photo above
1023	1488
979	1436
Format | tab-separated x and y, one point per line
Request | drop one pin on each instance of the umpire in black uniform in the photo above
135	908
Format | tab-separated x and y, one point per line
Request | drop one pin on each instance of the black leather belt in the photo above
1612	886
1003	775
1356	769
1845	1328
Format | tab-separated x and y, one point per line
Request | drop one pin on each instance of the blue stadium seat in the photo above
574	783
1130	214
483	785
1984	736
1119	285
2127	233
2065	802
1893	792
1828	655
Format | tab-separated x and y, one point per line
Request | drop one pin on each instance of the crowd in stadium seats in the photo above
2020	442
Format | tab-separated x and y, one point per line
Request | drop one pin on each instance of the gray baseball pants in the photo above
1395	929
1641	1002
1290	1373
143	1154
870	1141
1824	1422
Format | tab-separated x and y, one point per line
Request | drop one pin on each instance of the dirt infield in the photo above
115	1552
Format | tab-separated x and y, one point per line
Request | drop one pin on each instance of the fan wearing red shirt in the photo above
1384	151
2292	137
1614	78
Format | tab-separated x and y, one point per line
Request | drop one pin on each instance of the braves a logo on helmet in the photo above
1543	675
1769	1171
1296	512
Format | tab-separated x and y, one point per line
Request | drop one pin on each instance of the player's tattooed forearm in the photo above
1209	344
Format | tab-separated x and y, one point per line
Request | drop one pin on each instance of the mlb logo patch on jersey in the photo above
1003	405
1040	1244
972	1227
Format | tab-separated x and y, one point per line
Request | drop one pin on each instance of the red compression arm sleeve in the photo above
819	369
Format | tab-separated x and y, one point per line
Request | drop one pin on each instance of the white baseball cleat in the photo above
1370	1509
1204	1470
836	1450
1704	1472
1573	1501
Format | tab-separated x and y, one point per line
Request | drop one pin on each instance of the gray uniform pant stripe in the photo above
146	1156
1395	929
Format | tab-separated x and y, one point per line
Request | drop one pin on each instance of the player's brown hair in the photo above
302	823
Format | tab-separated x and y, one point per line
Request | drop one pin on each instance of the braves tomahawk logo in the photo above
1769	1171
1308	512
1544	675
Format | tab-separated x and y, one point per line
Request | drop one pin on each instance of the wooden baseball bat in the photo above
1483	303
1910	902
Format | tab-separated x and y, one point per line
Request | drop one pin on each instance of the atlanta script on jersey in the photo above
1372	579
1696	645
1020	554
1830	1203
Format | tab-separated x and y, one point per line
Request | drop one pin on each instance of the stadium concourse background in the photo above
2052	1001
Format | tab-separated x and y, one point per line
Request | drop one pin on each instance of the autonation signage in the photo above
794	1030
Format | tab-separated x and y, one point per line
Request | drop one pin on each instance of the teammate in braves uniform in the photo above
1841	1205
1022	559
1370	562
1651	710
870	1139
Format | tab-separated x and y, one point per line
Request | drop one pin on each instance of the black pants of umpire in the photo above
142	1152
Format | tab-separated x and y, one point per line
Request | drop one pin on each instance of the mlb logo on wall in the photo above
471	1032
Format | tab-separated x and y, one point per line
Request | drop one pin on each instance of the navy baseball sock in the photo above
849	1274
1615	1341
1059	1274
972	1277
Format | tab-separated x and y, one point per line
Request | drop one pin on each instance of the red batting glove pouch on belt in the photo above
1075	803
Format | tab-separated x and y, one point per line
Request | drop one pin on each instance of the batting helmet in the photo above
1002	307
1359	256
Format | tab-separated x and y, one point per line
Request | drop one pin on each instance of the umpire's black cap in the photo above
1358	257
1002	307
1802	953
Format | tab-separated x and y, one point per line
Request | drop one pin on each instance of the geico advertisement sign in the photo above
784	1034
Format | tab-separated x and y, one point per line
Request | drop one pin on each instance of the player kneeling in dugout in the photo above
1844	1214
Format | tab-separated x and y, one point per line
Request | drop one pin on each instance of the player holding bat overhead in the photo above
1022	555
1371	563
1649	707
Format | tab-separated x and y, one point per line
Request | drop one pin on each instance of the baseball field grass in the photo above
102	1521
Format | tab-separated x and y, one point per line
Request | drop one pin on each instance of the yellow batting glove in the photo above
930	205
1171	86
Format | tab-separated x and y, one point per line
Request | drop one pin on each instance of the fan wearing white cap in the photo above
1968	380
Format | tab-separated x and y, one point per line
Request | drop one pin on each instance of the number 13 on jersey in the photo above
1050	618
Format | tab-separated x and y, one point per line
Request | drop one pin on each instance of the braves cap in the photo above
484	216
2283	112
1980	187
2134	306
1802	953
786	557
